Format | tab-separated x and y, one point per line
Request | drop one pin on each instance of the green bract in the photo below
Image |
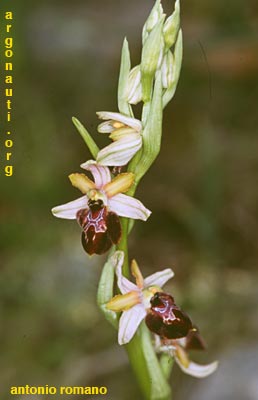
123	105
86	137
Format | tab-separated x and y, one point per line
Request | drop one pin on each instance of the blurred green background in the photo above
202	190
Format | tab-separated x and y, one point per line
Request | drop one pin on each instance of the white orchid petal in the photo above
134	80
136	96
121	151
129	207
123	283
69	210
129	322
132	122
133	91
197	370
106	127
159	278
100	173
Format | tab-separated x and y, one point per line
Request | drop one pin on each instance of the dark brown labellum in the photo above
101	228
166	319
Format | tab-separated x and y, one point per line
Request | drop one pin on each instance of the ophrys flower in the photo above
98	210
135	298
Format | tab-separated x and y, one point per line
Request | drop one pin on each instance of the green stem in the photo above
166	363
122	245
146	367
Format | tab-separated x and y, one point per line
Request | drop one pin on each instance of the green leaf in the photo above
125	66
93	148
106	286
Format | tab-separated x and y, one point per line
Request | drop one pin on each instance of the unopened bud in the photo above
152	55
134	87
155	15
177	61
167	70
171	26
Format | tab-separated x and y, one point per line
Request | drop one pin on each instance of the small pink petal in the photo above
129	207
129	322
69	210
123	283
100	173
159	278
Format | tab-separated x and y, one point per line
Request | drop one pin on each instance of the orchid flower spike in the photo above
126	135
135	298
175	334
98	209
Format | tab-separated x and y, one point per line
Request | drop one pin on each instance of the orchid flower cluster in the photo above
148	320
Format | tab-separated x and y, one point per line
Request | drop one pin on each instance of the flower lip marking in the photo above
166	319
101	228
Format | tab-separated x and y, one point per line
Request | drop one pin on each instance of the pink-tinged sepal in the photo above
129	207
166	319
69	210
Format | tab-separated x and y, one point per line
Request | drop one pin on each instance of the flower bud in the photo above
154	17
167	70
133	90
152	54
171	26
177	61
151	133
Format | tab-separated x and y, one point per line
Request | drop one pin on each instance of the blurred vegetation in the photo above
202	190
